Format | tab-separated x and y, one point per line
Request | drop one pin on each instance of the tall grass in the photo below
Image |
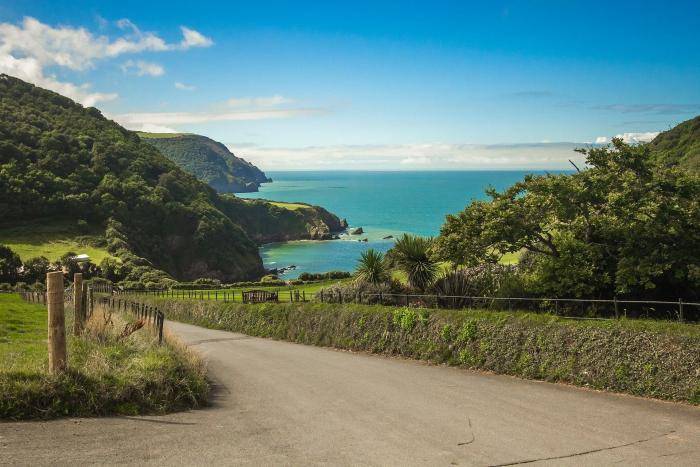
108	372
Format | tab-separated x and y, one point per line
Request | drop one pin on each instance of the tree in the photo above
9	265
412	254
35	269
624	225
371	268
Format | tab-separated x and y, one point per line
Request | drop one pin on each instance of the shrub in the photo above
356	291
486	280
319	276
207	281
372	268
412	254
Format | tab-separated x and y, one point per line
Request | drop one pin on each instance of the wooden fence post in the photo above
79	319
57	322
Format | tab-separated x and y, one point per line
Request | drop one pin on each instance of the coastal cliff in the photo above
209	161
272	221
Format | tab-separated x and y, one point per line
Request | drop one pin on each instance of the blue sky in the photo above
409	85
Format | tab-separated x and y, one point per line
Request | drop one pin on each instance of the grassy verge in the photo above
644	358
107	374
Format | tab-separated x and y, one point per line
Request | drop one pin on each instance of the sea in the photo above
384	204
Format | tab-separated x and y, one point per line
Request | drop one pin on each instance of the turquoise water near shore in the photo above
382	203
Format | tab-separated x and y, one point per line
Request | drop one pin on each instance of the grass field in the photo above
106	374
22	335
280	204
235	293
52	240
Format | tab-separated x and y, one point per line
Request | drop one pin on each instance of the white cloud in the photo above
141	68
184	87
192	38
643	137
264	101
30	69
137	119
437	156
31	47
630	137
416	161
150	128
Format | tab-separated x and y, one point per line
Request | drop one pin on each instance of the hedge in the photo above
644	358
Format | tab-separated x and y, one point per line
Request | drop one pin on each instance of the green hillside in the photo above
63	162
74	181
208	160
680	145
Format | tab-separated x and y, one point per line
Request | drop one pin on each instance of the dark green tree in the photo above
623	225
9	265
35	269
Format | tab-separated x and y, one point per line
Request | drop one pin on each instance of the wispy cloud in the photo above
264	101
30	48
184	87
137	120
659	109
436	156
192	38
141	68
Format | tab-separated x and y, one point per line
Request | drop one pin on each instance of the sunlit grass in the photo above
107	373
52	240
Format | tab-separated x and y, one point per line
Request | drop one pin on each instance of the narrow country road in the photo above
278	403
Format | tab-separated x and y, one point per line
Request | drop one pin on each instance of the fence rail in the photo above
247	296
579	308
150	315
573	308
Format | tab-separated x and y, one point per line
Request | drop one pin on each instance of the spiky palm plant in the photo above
372	268
412	255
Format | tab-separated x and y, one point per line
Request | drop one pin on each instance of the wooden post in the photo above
79	320
57	323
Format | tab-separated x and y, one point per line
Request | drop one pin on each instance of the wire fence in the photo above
576	308
224	295
150	315
573	308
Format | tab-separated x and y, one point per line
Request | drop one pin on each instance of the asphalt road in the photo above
278	403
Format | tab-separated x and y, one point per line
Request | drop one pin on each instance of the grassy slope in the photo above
52	240
643	358
105	376
160	135
290	206
680	145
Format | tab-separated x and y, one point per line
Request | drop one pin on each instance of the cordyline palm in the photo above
372	268
412	255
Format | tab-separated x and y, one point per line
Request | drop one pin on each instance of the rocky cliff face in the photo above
265	221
